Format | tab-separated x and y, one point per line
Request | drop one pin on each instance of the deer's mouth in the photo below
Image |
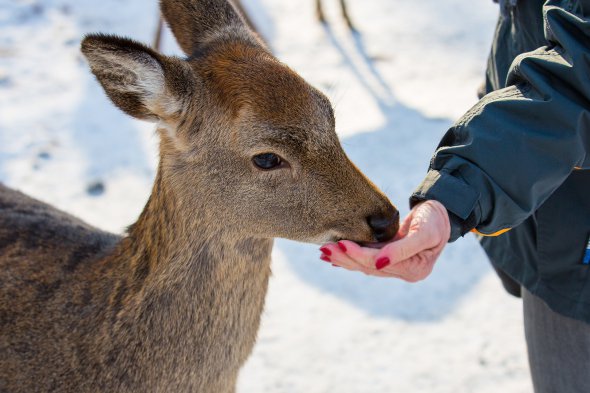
375	245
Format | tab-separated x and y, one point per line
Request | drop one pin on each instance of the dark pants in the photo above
558	347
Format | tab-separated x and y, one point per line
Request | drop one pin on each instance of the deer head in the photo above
244	139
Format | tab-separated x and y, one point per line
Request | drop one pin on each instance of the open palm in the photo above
410	256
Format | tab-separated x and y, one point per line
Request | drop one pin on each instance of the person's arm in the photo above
508	154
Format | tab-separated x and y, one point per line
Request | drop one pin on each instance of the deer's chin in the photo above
336	239
323	238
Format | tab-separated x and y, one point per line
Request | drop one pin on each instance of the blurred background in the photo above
397	82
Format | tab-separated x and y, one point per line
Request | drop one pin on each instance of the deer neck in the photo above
198	291
173	235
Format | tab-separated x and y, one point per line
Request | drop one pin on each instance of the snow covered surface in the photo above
397	86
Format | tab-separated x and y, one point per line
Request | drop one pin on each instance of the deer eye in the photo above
267	161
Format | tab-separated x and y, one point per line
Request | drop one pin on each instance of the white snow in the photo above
396	87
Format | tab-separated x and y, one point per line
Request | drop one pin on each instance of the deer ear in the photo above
195	22
140	81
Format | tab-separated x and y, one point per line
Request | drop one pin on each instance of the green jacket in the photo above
514	167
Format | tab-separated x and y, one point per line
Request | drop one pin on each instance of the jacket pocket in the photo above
563	228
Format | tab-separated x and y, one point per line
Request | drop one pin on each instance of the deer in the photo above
248	152
319	10
158	35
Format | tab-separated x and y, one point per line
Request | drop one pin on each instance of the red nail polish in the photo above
326	250
381	263
342	246
325	258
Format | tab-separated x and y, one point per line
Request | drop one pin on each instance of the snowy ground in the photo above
396	88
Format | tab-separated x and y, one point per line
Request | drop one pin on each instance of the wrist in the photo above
444	216
458	197
452	227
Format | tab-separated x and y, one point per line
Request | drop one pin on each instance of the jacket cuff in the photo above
458	197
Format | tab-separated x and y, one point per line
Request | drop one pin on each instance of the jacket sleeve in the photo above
508	154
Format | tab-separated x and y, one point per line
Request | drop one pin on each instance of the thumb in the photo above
404	228
407	247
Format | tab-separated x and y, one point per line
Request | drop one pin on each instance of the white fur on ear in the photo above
149	76
133	77
144	76
152	83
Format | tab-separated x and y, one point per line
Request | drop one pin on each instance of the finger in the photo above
382	273
334	254
406	247
408	270
404	228
353	266
417	267
341	254
329	249
362	255
379	273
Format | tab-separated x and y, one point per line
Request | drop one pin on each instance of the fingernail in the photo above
335	265
342	246
326	250
325	258
382	262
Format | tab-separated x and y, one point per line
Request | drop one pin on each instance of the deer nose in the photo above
384	225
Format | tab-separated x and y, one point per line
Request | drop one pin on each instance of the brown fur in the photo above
175	304
241	10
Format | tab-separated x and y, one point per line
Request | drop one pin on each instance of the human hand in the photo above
410	256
